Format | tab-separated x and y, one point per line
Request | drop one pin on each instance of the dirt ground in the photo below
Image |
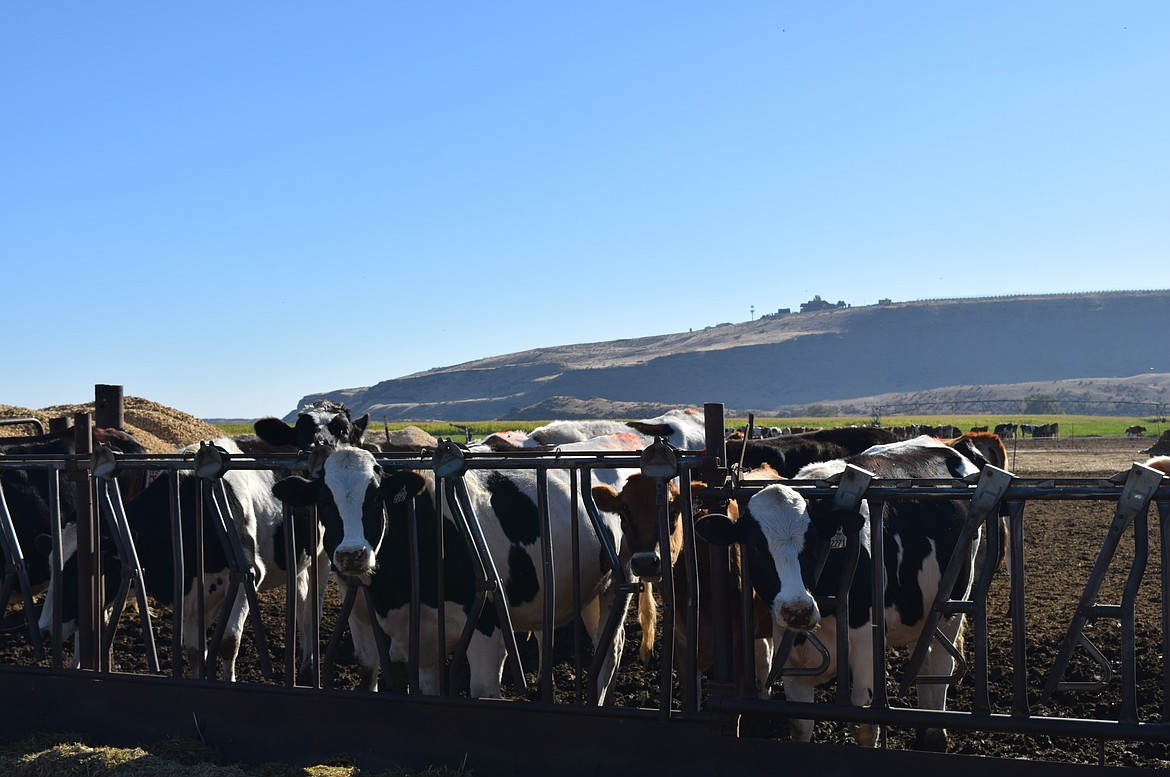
1062	542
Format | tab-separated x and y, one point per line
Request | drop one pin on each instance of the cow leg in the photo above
861	689
933	696
764	650
214	588
305	610
365	645
485	655
800	688
229	647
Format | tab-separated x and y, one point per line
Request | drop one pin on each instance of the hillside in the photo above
1088	348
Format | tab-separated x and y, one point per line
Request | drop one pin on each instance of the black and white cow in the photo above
323	421
782	534
364	510
259	518
27	494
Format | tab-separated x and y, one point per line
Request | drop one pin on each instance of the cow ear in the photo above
718	529
297	491
44	544
606	498
274	431
850	522
359	427
400	485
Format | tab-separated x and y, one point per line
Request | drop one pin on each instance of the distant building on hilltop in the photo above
816	303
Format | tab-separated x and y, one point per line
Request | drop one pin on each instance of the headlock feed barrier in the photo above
129	691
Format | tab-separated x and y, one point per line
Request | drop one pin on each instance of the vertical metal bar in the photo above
88	611
200	641
1164	549
292	564
56	570
1141	553
179	578
662	502
440	589
689	682
315	584
415	633
576	496
714	469
107	406
877	553
550	598
1019	627
844	682
981	701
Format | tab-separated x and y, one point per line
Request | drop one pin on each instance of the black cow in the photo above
782	534
788	453
26	493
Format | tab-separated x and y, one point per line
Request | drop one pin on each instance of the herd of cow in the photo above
367	509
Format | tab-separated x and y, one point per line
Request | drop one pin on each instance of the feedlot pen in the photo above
1062	660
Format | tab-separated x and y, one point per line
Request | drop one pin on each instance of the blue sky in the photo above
224	207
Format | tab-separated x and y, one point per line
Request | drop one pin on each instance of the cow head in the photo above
324	422
684	428
781	538
637	506
352	495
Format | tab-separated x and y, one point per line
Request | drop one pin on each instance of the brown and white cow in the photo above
636	504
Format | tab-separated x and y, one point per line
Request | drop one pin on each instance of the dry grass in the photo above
66	756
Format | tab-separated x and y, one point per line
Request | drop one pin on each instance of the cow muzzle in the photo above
357	560
799	616
647	565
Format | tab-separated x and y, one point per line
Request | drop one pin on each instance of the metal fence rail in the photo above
1142	711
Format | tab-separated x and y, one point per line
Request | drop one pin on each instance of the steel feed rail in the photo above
1015	497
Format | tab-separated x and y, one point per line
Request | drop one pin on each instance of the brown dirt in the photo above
1062	541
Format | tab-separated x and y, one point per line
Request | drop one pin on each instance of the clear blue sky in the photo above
224	207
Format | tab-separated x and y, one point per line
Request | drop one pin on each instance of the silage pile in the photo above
159	428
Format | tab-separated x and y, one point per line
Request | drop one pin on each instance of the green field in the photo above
1070	425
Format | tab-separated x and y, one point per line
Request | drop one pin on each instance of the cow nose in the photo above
647	565
799	616
354	561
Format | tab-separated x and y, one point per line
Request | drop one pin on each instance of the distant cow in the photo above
782	533
788	453
1135	431
1005	431
1047	430
365	513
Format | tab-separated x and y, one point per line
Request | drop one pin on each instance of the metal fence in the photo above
686	702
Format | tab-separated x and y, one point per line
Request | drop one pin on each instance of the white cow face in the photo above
781	538
352	495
